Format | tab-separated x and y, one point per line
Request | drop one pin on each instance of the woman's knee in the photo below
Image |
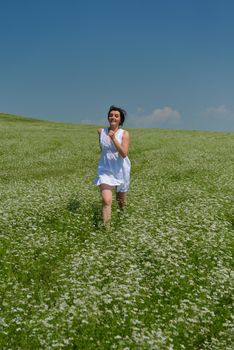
106	200
106	192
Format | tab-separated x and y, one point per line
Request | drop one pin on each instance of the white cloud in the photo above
158	117
140	110
218	113
222	109
163	115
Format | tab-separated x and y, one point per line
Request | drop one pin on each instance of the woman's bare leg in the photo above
106	192
121	199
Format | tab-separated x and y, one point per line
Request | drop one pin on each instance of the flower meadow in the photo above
160	277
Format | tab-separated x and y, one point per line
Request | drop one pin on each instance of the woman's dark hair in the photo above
122	112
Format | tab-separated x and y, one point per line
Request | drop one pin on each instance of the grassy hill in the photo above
160	278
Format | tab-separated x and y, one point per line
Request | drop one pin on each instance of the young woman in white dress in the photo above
114	164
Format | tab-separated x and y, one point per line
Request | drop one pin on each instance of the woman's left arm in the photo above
121	148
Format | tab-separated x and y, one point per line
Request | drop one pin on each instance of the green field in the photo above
160	278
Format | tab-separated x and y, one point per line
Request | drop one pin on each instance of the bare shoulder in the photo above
125	137
125	134
99	130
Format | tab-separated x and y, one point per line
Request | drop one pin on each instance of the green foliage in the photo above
159	278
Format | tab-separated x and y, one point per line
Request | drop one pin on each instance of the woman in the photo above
114	165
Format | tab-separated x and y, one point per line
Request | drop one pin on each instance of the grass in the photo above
160	278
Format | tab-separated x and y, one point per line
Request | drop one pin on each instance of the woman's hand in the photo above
111	133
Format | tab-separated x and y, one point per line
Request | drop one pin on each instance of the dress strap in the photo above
121	131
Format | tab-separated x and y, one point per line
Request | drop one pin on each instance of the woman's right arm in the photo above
99	130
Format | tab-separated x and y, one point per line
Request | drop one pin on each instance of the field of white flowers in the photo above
160	278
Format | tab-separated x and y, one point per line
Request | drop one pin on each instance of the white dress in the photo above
113	169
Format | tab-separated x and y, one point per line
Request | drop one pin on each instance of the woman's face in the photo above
114	118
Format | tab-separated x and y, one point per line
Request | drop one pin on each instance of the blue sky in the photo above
169	63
